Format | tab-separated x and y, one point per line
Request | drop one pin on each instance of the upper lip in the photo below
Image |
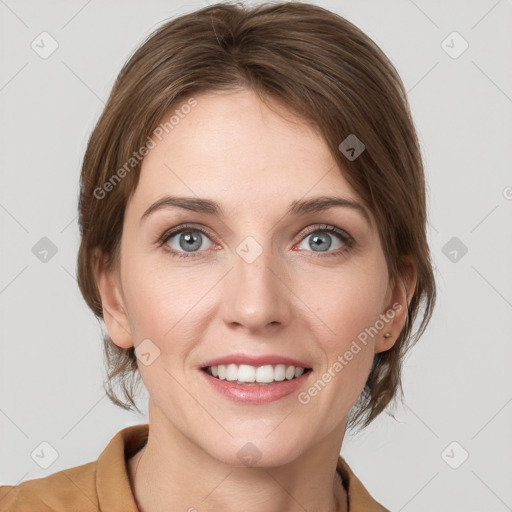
254	360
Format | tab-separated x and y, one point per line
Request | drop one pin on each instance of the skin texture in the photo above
292	300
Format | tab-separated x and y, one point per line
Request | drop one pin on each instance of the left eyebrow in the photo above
321	203
296	208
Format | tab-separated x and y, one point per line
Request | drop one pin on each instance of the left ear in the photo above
402	291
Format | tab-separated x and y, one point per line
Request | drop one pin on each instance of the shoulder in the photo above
99	485
69	489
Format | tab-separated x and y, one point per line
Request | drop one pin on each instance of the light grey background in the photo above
457	381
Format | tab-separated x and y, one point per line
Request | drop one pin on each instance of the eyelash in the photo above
348	241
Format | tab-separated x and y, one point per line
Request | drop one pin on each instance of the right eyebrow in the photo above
194	204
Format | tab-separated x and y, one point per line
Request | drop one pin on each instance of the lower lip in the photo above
254	393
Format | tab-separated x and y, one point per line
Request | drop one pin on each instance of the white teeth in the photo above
280	372
246	373
262	374
232	372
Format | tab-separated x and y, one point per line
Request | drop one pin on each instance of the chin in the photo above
244	452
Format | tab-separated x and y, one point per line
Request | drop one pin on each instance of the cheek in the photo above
152	302
166	302
348	305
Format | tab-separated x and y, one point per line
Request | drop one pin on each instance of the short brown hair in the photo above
322	68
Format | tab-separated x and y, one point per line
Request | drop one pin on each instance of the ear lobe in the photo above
114	311
401	296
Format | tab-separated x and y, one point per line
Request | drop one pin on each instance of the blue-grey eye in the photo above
321	240
189	240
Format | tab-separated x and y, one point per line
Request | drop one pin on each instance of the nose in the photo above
257	293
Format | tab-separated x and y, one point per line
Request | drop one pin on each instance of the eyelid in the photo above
324	227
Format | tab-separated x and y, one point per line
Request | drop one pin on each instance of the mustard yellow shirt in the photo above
104	486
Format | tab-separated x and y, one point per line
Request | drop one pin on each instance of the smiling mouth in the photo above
250	375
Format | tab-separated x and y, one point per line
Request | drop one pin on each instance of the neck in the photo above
162	482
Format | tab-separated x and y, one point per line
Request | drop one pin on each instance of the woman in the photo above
253	223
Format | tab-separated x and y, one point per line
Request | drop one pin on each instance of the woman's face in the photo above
259	281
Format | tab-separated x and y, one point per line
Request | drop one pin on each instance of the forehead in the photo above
233	148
